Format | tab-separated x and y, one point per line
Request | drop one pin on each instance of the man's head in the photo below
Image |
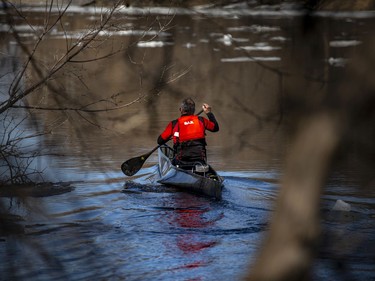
187	106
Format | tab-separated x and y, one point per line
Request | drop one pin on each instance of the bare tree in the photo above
35	82
36	77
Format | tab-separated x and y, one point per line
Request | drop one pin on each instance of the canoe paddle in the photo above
132	166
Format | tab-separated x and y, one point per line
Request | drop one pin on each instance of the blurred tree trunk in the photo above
328	123
293	237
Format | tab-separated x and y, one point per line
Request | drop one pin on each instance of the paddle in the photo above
132	166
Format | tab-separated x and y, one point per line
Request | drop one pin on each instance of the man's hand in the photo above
206	108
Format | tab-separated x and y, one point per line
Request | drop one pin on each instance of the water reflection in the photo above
230	58
237	60
190	217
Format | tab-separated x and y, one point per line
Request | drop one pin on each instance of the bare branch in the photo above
72	52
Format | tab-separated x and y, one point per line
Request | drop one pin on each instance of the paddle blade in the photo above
132	166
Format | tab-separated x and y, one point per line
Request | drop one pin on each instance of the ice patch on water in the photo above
152	44
339	62
250	59
279	38
258	47
344	43
226	39
341	205
254	28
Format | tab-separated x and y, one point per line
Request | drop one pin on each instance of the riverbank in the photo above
330	5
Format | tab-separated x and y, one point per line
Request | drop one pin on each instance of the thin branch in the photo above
85	109
72	52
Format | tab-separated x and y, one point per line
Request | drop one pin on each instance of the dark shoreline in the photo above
319	5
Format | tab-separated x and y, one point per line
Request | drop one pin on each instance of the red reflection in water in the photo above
191	213
186	244
192	218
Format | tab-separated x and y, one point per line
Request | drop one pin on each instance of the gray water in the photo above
110	227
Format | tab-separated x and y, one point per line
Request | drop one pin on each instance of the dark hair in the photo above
188	106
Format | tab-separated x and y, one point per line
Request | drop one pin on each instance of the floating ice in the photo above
226	39
248	59
341	205
344	43
258	47
151	44
339	62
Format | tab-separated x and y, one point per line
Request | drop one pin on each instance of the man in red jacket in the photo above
188	134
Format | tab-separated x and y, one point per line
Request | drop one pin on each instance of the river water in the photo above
110	227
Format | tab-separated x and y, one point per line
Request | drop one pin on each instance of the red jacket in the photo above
188	127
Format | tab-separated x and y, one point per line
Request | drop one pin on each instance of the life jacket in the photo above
188	128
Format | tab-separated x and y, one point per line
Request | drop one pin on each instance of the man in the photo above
188	133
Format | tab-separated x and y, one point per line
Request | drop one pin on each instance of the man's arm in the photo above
212	126
166	134
212	118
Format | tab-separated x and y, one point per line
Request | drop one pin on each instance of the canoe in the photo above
201	179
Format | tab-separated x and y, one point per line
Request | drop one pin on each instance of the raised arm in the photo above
212	126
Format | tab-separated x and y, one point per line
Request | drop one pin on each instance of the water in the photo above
145	232
110	227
